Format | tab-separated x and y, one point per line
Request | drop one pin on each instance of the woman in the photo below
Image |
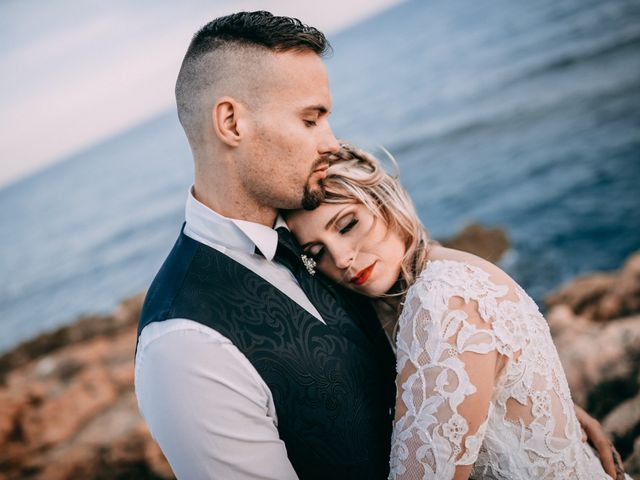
481	391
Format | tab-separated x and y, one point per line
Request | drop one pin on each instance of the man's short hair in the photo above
216	46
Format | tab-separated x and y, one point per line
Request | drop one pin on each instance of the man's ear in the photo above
226	115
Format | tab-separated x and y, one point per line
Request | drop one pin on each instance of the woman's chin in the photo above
369	289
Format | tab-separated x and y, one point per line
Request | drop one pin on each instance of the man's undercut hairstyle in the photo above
224	51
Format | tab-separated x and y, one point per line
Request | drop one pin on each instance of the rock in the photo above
623	427
624	418
488	243
130	454
603	296
67	407
575	315
626	291
592	353
632	464
86	328
583	295
595	323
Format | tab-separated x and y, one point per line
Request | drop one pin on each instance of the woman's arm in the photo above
447	364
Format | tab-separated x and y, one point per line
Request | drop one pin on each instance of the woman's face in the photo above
350	245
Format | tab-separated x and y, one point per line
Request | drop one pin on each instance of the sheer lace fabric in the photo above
480	384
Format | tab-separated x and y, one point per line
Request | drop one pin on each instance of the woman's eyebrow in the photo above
326	227
333	219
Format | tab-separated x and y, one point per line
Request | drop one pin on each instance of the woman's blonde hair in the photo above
355	175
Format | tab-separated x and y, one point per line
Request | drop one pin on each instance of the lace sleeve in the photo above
447	364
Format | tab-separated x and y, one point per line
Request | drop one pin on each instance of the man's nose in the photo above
328	142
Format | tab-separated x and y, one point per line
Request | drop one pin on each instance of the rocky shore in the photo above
595	323
68	411
67	407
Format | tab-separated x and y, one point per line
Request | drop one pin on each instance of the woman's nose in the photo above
343	258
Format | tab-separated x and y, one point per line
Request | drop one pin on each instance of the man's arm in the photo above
208	409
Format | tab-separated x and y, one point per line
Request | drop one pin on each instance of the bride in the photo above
481	392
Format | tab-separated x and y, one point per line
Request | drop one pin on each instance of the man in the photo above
238	373
248	365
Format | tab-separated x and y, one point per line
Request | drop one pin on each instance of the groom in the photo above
247	368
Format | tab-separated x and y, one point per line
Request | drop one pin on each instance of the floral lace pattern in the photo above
516	422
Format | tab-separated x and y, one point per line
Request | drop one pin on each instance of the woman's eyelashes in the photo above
315	252
343	226
347	225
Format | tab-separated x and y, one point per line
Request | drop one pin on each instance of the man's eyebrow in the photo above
318	108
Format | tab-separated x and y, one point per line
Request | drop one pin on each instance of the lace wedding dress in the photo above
480	383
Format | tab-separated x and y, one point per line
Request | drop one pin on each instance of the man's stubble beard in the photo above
312	198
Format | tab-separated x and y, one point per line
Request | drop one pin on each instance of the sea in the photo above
518	114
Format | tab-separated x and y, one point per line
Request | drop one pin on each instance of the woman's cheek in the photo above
328	269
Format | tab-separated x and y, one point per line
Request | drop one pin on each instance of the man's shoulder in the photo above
178	327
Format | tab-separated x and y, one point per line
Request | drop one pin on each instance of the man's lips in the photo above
320	171
363	275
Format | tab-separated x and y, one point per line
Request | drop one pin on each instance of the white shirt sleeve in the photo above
206	405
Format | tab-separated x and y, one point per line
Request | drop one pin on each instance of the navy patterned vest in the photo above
333	387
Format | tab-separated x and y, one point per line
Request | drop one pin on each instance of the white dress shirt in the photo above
204	402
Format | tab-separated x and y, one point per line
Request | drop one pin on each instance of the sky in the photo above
76	72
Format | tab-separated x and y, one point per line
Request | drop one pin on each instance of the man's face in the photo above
289	133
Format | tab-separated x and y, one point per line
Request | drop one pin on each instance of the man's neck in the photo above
231	205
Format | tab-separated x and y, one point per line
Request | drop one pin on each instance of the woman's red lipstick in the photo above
363	275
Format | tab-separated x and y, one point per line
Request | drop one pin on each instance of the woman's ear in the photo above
226	115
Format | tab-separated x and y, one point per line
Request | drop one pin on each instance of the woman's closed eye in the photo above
346	224
315	251
343	226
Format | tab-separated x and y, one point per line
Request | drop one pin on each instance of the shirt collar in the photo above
231	233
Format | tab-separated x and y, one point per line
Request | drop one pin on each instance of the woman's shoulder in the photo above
460	271
457	287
